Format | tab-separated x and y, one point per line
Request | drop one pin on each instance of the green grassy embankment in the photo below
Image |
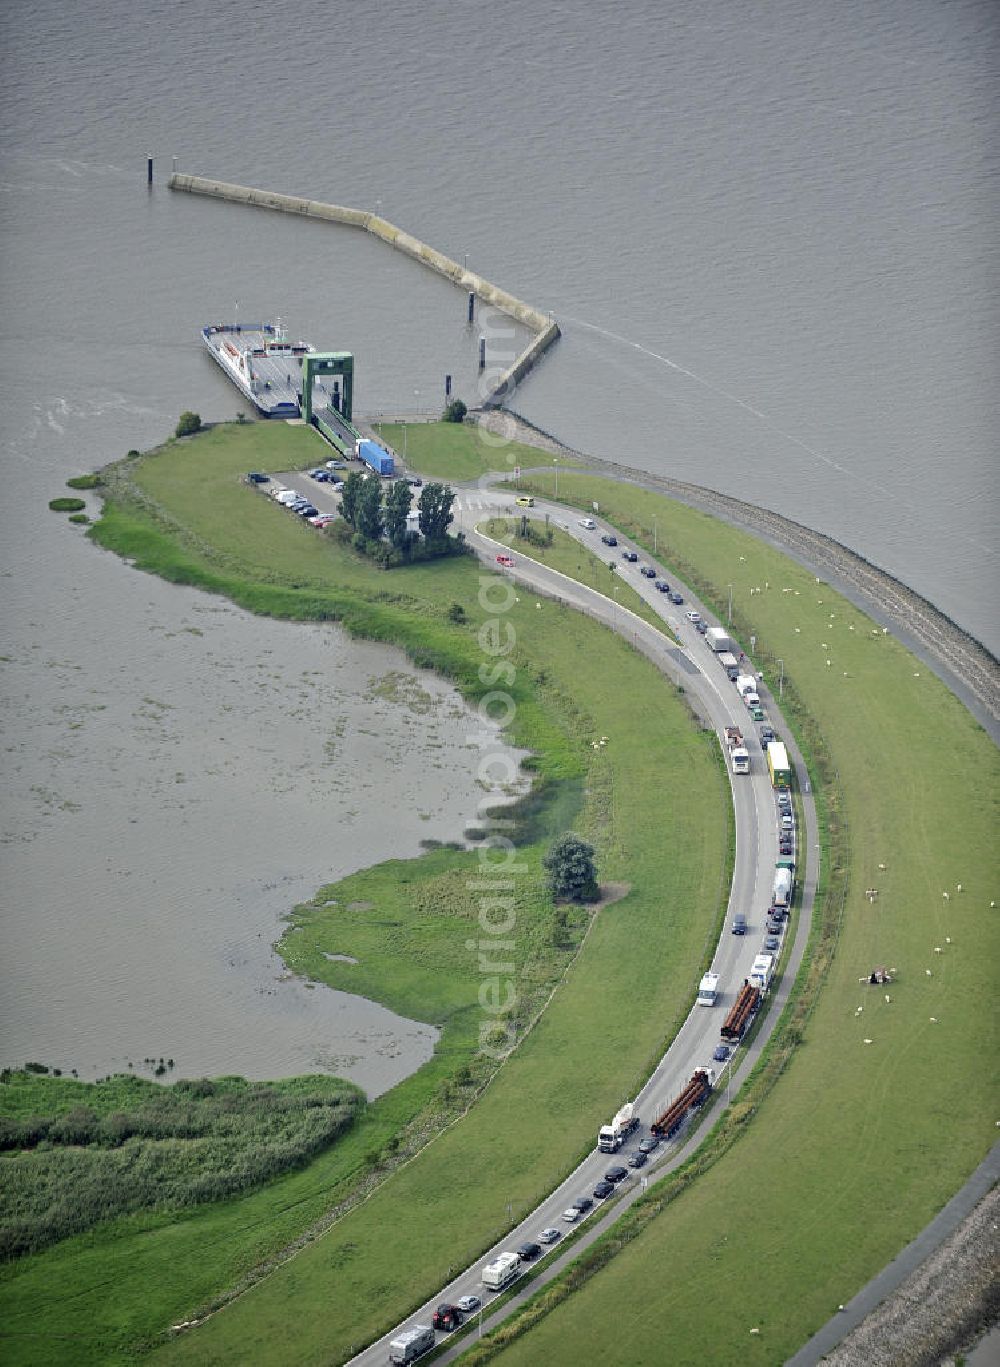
653	799
879	1117
456	451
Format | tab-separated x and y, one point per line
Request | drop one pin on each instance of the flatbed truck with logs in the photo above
744	1009
695	1092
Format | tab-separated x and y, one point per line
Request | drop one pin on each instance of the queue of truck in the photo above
507	1266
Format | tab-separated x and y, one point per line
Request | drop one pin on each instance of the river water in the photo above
768	232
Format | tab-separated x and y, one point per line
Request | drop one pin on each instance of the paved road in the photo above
687	661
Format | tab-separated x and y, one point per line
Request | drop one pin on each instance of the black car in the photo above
616	1174
320	476
308	511
603	1190
674	596
648	572
701	627
648	1144
447	1317
638	1159
255	477
414	482
774	926
630	556
582	1204
528	1251
721	1053
609	540
772	943
662	585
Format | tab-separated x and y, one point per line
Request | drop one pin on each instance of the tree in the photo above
455	411
350	497
397	505
187	425
435	511
571	869
370	520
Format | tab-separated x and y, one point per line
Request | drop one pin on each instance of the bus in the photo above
778	766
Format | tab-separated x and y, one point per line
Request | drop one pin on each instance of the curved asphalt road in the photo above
690	663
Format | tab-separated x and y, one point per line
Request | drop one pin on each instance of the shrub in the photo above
455	411
187	424
67	505
78	517
84	482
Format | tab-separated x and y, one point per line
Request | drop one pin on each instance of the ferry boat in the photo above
261	362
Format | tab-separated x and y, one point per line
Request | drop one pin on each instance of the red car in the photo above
507	561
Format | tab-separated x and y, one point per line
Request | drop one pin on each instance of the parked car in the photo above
528	1252
322	519
616	1174
693	616
337	486
638	1159
662	585
256	477
320	476
583	1204
308	511
721	1052
336	464
603	1190
787	821
468	1303
525	501
549	1235
609	540
446	1318
286	496
647	571
786	848
630	556
571	1215
674	596
774	926
701	628
772	943
414	481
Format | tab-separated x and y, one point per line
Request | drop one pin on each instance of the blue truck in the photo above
375	457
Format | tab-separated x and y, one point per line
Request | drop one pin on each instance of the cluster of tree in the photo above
187	424
378	519
167	1147
455	411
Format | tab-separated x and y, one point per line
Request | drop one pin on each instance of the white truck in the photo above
412	1344
611	1137
739	755
730	664
782	893
760	973
745	683
718	640
504	1268
708	989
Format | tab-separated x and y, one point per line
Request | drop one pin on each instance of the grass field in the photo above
457	451
654	800
859	1144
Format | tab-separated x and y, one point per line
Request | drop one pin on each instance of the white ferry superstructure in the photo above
261	362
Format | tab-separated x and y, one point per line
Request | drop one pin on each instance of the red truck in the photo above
739	1018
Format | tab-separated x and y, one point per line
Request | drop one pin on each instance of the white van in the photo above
501	1271
412	1344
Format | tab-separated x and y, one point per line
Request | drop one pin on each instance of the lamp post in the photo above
556	464
730	618
654	533
781	678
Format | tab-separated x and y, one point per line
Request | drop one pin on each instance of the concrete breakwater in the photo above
545	328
